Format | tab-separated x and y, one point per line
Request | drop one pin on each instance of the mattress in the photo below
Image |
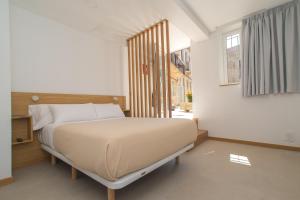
117	147
45	135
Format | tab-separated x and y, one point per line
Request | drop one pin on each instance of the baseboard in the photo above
6	181
202	135
260	144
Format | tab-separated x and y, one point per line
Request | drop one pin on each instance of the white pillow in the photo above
105	111
41	115
73	112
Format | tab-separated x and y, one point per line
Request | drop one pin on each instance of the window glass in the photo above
231	65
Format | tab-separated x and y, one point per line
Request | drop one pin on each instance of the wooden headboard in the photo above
21	100
30	153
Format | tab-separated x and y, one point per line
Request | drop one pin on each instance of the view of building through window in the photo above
233	58
181	84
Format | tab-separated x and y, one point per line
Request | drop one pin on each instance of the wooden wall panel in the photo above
28	154
151	85
21	100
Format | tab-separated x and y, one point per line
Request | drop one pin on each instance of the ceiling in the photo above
216	13
119	19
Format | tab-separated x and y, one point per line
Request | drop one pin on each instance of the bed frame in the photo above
122	182
21	157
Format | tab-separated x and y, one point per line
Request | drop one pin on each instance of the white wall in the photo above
5	118
50	57
178	39
225	113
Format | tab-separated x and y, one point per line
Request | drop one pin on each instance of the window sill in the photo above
229	84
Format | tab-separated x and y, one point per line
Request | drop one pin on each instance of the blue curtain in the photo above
270	51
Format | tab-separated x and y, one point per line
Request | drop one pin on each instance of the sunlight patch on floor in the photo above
243	160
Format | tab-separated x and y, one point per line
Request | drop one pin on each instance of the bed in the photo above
120	150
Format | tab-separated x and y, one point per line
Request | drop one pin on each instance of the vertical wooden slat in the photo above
145	75
137	78
74	173
157	72
141	75
149	73
153	73
163	67
169	69
133	108
129	72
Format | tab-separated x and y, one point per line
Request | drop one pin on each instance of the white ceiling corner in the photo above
119	19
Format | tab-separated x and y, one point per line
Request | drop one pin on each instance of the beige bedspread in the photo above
114	148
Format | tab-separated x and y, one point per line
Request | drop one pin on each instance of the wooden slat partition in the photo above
137	111
149	71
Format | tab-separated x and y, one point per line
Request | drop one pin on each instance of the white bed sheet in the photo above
45	135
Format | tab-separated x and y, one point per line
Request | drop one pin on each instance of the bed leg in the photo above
74	174
177	160
111	195
53	160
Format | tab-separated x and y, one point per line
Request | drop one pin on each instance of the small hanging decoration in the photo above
145	69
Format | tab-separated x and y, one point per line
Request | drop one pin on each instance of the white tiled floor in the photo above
212	171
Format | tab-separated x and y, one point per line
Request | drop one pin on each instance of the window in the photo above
230	72
233	41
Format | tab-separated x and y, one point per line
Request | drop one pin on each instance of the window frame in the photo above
223	68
